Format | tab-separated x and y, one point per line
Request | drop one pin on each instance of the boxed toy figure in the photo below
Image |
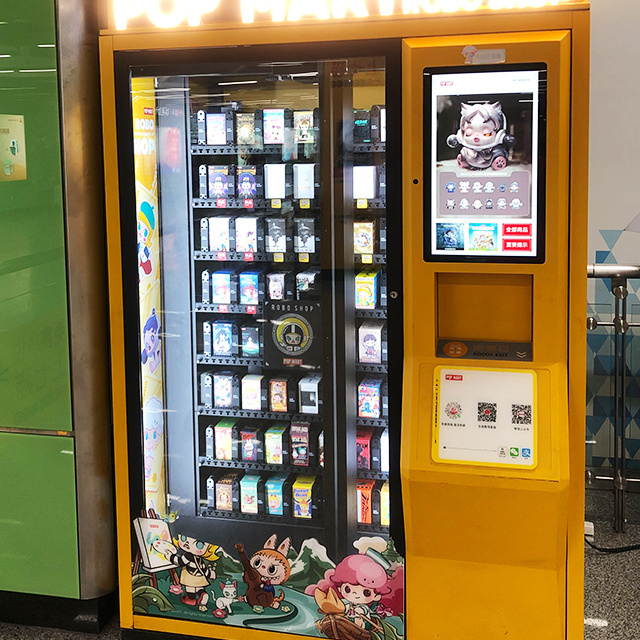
277	489
304	239
276	235
385	510
365	182
370	343
278	394
220	234
367	289
224	287
275	446
363	447
273	126
251	286
303	126
304	181
365	497
369	398
364	233
248	183
250	337
253	392
225	338
226	390
384	451
275	181
224	439
308	284
361	126
303	496
252	449
227	490
300	441
219	128
220	181
309	394
250	489
280	285
249	129
247	234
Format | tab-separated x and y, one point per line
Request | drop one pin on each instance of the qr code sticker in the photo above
487	411
520	414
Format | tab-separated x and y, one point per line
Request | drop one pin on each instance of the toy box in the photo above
251	494
273	126
303	127
277	491
251	444
280	285
308	284
249	129
303	497
224	338
304	181
247	234
367	289
275	181
369	400
300	443
275	445
309	394
370	343
224	439
385	510
365	500
219	128
304	235
220	237
279	391
250	340
248	182
361	126
276	235
364	234
226	390
227	492
224	287
251	287
363	447
365	182
220	183
253	393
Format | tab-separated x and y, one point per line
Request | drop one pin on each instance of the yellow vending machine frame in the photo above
491	551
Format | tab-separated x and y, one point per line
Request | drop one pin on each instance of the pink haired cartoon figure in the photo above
483	137
361	582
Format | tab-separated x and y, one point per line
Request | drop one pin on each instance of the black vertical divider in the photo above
337	109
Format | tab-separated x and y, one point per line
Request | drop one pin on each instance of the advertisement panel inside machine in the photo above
146	185
484	146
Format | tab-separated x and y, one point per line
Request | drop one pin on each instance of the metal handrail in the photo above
619	274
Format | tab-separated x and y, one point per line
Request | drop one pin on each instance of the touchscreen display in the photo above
484	133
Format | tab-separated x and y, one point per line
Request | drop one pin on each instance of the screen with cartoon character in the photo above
484	163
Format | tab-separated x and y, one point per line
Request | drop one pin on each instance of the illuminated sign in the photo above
171	13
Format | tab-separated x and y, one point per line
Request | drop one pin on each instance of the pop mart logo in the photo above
172	13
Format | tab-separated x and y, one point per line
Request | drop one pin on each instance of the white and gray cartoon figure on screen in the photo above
483	137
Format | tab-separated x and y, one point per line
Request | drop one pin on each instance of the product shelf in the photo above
260	466
259	415
230	361
262	518
372	368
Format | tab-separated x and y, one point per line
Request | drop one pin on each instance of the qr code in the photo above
520	414
487	411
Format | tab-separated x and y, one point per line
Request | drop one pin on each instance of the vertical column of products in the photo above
257	298
369	257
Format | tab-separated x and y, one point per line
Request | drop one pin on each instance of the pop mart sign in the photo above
172	13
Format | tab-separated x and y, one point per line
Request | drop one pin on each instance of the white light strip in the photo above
46	46
7	71
225	84
308	74
36	70
595	622
5	55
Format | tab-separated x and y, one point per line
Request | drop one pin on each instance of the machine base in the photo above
89	616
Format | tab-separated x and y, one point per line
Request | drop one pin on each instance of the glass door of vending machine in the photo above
264	348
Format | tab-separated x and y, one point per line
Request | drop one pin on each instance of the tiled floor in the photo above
612	583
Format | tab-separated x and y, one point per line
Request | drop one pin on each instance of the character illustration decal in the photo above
267	568
146	227
483	137
195	558
151	353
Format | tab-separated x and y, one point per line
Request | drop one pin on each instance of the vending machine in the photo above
272	270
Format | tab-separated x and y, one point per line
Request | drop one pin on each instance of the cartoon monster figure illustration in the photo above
483	137
351	602
228	597
153	428
266	568
247	186
151	353
146	227
195	558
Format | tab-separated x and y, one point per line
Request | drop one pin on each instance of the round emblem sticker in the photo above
455	349
453	410
292	334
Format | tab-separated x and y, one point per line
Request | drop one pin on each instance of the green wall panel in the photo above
34	341
38	517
